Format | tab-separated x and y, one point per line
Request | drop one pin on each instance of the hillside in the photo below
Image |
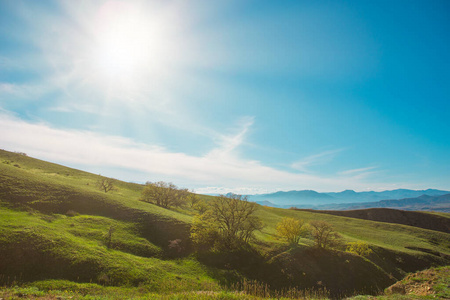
433	283
54	224
410	218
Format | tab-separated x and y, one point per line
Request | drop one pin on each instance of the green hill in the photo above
54	225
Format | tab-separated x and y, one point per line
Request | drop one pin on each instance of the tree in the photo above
359	248
251	225
106	184
192	200
204	233
164	194
291	230
228	221
324	235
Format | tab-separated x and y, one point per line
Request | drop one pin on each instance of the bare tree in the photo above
106	184
324	235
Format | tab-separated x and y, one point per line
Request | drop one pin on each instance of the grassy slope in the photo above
412	218
390	236
77	244
392	245
74	247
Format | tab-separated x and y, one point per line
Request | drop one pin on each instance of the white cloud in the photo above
219	170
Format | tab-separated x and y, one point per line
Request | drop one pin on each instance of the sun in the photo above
121	49
127	44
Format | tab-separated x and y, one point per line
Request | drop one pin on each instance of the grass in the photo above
76	245
386	235
62	289
55	216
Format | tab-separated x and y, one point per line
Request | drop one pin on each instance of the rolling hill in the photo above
54	225
411	218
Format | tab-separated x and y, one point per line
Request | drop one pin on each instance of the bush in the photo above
359	248
71	213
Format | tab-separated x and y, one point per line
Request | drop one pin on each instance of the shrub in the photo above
71	213
359	248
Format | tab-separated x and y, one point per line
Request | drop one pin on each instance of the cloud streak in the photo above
316	159
219	170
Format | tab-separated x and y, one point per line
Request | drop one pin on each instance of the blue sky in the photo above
241	96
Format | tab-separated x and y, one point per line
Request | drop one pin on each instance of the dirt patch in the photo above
429	282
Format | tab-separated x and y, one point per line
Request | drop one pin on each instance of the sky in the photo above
232	96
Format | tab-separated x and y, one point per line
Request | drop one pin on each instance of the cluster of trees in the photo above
166	194
229	221
292	230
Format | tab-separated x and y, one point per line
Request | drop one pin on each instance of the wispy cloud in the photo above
315	159
221	169
357	171
229	143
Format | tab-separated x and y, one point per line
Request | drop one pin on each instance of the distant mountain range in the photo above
401	198
423	203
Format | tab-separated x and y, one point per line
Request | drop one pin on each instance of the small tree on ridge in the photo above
106	184
291	230
324	235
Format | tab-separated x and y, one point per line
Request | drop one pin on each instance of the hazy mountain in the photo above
311	199
305	197
424	203
352	196
267	203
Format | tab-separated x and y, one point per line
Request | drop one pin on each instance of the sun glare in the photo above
120	50
127	44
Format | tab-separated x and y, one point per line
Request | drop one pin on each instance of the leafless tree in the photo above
324	235
106	184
